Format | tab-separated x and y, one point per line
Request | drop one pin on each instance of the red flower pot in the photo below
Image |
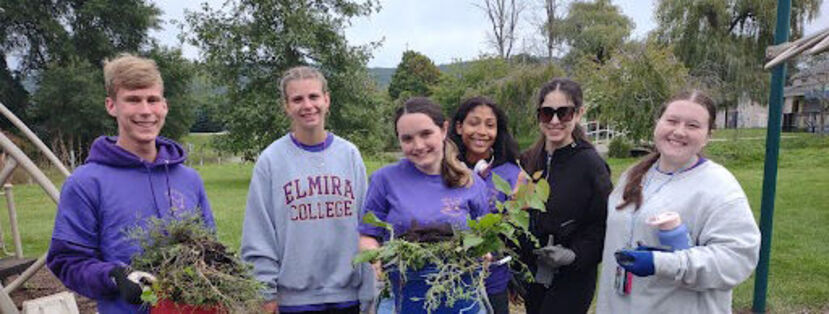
169	307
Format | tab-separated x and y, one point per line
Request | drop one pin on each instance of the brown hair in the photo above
301	73
130	72
633	188
453	172
573	92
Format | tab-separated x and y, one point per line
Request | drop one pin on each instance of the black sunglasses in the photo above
565	114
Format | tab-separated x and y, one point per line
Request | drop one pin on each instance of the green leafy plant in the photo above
460	268
192	267
619	147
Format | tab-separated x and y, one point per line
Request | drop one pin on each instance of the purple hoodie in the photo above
113	191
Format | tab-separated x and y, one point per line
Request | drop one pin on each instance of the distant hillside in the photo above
383	75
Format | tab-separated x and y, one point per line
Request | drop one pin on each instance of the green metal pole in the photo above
778	77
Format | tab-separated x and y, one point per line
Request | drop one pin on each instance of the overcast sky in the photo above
443	30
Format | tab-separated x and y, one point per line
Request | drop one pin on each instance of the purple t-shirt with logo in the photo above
400	193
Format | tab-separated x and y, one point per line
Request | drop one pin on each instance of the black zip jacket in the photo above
576	212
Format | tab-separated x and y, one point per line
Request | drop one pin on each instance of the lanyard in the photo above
635	214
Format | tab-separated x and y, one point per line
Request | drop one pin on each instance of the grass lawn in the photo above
798	276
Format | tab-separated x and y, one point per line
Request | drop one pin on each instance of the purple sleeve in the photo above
376	203
77	217
80	269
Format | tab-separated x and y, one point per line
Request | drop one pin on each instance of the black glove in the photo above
130	283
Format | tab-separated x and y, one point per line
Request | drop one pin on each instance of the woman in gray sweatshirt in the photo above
300	228
648	269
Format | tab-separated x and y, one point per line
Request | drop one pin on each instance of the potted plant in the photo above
438	269
195	272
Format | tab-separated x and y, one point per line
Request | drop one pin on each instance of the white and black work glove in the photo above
131	284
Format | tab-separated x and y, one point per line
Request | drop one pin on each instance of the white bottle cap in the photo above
664	221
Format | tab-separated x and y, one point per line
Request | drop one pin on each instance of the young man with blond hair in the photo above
126	180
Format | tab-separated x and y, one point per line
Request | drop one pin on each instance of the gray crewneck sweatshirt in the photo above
300	228
726	243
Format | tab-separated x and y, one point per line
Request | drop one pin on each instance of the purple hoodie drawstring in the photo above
152	189
169	191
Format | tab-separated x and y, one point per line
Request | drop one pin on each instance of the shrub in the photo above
619	147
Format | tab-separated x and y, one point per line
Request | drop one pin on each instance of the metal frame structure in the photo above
19	158
779	54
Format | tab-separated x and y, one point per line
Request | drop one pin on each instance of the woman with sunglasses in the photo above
571	231
479	128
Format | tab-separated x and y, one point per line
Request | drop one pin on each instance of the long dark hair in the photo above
453	172
573	92
505	149
633	188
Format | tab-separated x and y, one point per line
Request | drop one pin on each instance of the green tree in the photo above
465	79
12	94
723	42
62	41
248	47
207	96
416	74
68	110
627	90
517	94
552	29
53	33
68	107
513	86
595	29
178	74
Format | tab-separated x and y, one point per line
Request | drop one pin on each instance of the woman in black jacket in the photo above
571	231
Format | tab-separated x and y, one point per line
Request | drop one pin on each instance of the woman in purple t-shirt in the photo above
429	187
479	128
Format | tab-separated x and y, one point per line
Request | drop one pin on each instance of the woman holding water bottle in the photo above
680	233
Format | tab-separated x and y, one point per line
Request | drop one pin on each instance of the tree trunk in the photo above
550	7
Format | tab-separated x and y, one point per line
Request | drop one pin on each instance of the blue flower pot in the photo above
409	296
